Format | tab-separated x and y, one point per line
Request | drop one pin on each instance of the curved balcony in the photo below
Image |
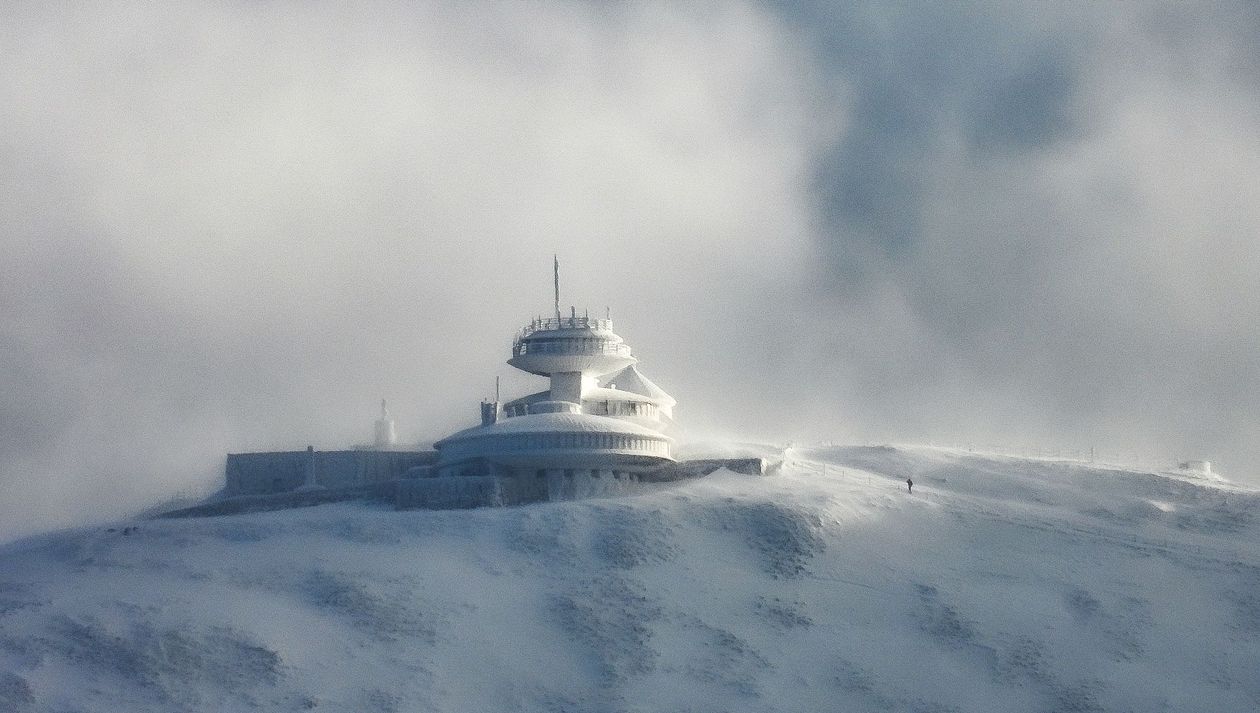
583	346
570	344
599	448
577	351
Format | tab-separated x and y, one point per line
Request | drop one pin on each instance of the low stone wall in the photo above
473	491
584	484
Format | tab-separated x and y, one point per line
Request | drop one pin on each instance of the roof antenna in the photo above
557	258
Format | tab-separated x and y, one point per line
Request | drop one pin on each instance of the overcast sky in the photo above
232	226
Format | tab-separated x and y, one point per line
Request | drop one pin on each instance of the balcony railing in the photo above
543	324
576	345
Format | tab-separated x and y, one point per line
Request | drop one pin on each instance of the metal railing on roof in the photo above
548	323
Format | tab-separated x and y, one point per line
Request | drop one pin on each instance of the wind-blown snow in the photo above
998	585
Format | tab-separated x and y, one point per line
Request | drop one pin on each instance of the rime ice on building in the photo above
601	417
599	427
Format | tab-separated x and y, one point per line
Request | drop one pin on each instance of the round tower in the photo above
571	350
577	427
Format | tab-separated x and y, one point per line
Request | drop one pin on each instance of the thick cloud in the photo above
236	226
1043	227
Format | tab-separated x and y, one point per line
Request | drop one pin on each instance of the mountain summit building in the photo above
599	427
600	417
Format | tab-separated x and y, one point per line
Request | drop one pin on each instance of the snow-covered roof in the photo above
557	423
530	398
632	380
596	393
599	393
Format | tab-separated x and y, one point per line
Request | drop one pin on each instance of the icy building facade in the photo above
600	418
600	428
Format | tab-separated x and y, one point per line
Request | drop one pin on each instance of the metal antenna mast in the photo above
557	258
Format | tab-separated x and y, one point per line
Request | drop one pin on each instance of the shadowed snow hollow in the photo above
998	585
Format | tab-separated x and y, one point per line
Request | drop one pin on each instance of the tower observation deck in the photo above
583	423
570	344
601	427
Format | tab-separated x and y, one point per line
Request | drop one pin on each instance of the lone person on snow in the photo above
909	485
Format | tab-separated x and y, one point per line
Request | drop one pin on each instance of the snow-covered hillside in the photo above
998	585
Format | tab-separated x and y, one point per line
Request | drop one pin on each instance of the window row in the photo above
622	408
545	441
571	346
600	408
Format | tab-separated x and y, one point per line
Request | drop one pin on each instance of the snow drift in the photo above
1000	584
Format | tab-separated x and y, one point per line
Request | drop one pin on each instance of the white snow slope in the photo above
999	585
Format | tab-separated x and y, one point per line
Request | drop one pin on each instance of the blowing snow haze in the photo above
238	225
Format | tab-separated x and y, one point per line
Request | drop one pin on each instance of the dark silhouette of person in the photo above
909	485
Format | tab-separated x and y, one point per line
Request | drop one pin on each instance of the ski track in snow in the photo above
1001	584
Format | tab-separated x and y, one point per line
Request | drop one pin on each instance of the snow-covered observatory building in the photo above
600	417
600	427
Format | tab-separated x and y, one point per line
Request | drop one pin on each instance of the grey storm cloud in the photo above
1041	221
238	225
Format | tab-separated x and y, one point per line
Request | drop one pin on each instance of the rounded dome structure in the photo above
558	440
578	425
